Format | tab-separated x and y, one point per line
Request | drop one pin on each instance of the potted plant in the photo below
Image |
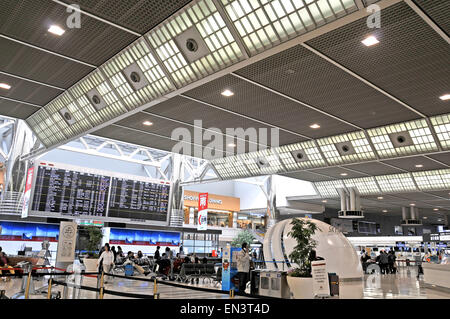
244	236
95	236
300	279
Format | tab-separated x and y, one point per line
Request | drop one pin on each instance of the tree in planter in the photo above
302	231
95	238
244	236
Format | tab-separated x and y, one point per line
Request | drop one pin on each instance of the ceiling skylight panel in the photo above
365	185
433	180
441	126
396	183
328	188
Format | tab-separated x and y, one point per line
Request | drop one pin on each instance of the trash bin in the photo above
334	284
254	281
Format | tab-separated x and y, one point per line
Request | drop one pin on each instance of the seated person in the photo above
130	259
4	264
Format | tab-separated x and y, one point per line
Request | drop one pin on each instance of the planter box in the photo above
90	264
301	288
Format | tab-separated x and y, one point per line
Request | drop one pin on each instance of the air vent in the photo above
401	139
96	99
350	214
299	156
345	148
191	45
262	162
135	77
411	222
67	116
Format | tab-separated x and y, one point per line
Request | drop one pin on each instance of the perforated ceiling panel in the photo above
415	163
39	66
301	74
137	15
373	168
27	91
28	20
408	49
438	10
258	103
16	110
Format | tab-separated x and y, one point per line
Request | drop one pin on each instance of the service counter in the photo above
437	274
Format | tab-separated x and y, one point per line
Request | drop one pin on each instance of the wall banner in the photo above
202	211
27	194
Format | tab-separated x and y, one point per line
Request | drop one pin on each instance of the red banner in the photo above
27	194
202	201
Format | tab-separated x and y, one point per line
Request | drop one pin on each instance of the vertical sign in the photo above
27	194
66	242
321	285
202	211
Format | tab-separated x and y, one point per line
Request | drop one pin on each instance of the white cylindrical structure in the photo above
417	213
404	213
412	211
352	199
343	200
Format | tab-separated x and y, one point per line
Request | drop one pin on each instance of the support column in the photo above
272	213
191	215
352	199
404	213
176	212
342	195
412	211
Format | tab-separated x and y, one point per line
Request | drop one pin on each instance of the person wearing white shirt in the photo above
243	267
107	259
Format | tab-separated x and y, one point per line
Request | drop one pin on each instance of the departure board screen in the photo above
138	200
70	192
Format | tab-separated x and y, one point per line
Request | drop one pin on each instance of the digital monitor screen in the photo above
13	231
119	236
138	200
69	192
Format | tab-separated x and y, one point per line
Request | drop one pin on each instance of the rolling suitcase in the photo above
129	270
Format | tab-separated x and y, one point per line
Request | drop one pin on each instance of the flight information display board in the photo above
138	200
70	192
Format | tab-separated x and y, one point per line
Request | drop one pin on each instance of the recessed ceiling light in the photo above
412	204
56	30
5	86
425	217
227	93
385	211
419	165
148	123
445	97
344	174
380	197
231	145
324	201
435	209
315	126
369	41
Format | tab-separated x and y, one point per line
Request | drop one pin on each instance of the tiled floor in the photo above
403	285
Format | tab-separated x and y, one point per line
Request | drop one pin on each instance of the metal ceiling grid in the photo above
337	171
203	17
306	176
187	111
138	53
443	158
261	104
327	189
441	126
433	180
263	24
27	91
438	10
419	131
303	75
137	15
408	49
16	110
230	169
358	140
28	20
39	66
365	185
96	81
45	129
311	158
396	183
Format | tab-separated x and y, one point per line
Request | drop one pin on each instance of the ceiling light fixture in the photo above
369	41
5	86
231	145
344	174
148	123
445	97
412	204
380	197
419	165
315	126
425	217
384	211
227	93
324	201
435	209
56	30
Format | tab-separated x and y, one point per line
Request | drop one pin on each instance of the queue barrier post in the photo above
155	289
27	290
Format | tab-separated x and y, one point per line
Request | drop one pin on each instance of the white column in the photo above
404	213
352	199
235	216
191	215
343	199
412	212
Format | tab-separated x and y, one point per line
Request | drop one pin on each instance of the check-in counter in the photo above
437	274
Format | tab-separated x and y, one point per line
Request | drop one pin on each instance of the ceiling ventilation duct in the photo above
401	139
96	99
135	77
413	220
299	156
67	116
350	203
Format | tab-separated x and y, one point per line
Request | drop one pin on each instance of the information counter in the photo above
437	274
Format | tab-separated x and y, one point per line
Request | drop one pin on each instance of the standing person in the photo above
391	260
157	255
243	266
113	250
107	260
119	251
384	261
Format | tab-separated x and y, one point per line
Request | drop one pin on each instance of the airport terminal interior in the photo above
224	149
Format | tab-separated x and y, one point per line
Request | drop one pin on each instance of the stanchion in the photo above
155	289
27	290
49	292
101	285
232	294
